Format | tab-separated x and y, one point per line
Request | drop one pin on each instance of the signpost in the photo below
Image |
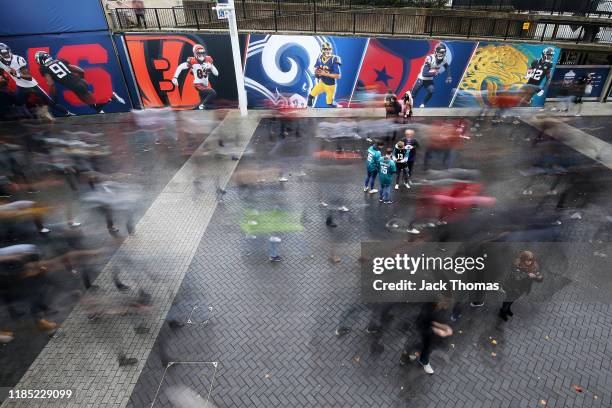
225	10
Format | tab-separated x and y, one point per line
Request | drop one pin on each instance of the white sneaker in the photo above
6	337
413	231
576	216
275	239
343	209
201	106
118	98
373	191
397	186
74	224
422	105
552	192
283	179
323	204
101	111
45	231
366	189
407	185
427	367
527	192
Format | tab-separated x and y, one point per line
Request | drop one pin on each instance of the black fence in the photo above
366	22
595	8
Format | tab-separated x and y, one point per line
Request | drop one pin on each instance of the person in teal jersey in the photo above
372	167
386	168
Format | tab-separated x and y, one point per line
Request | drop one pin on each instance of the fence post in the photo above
275	22
315	15
195	12
354	21
469	28
507	29
393	25
554	6
209	16
174	15
580	34
244	10
278	6
431	20
118	17
157	18
544	32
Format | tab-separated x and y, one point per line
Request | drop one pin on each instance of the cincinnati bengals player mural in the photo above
183	71
201	66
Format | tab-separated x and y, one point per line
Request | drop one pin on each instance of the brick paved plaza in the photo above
258	333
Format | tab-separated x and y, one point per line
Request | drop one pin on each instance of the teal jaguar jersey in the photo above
330	65
373	158
386	168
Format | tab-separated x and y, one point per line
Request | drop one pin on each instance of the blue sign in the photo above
26	17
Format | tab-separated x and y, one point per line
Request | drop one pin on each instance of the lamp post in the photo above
226	10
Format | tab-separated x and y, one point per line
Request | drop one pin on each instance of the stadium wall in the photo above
280	70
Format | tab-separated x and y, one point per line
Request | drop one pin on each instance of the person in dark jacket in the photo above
412	145
432	326
525	270
392	106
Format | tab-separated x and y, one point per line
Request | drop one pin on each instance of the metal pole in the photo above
174	14
393	25
233	29
195	12
354	21
157	18
244	10
315	16
580	34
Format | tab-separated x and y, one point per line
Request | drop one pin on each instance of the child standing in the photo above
386	168
400	157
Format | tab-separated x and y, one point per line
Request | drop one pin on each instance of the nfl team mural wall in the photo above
188	71
330	71
69	73
184	71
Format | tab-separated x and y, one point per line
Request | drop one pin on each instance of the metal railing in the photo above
367	22
594	8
